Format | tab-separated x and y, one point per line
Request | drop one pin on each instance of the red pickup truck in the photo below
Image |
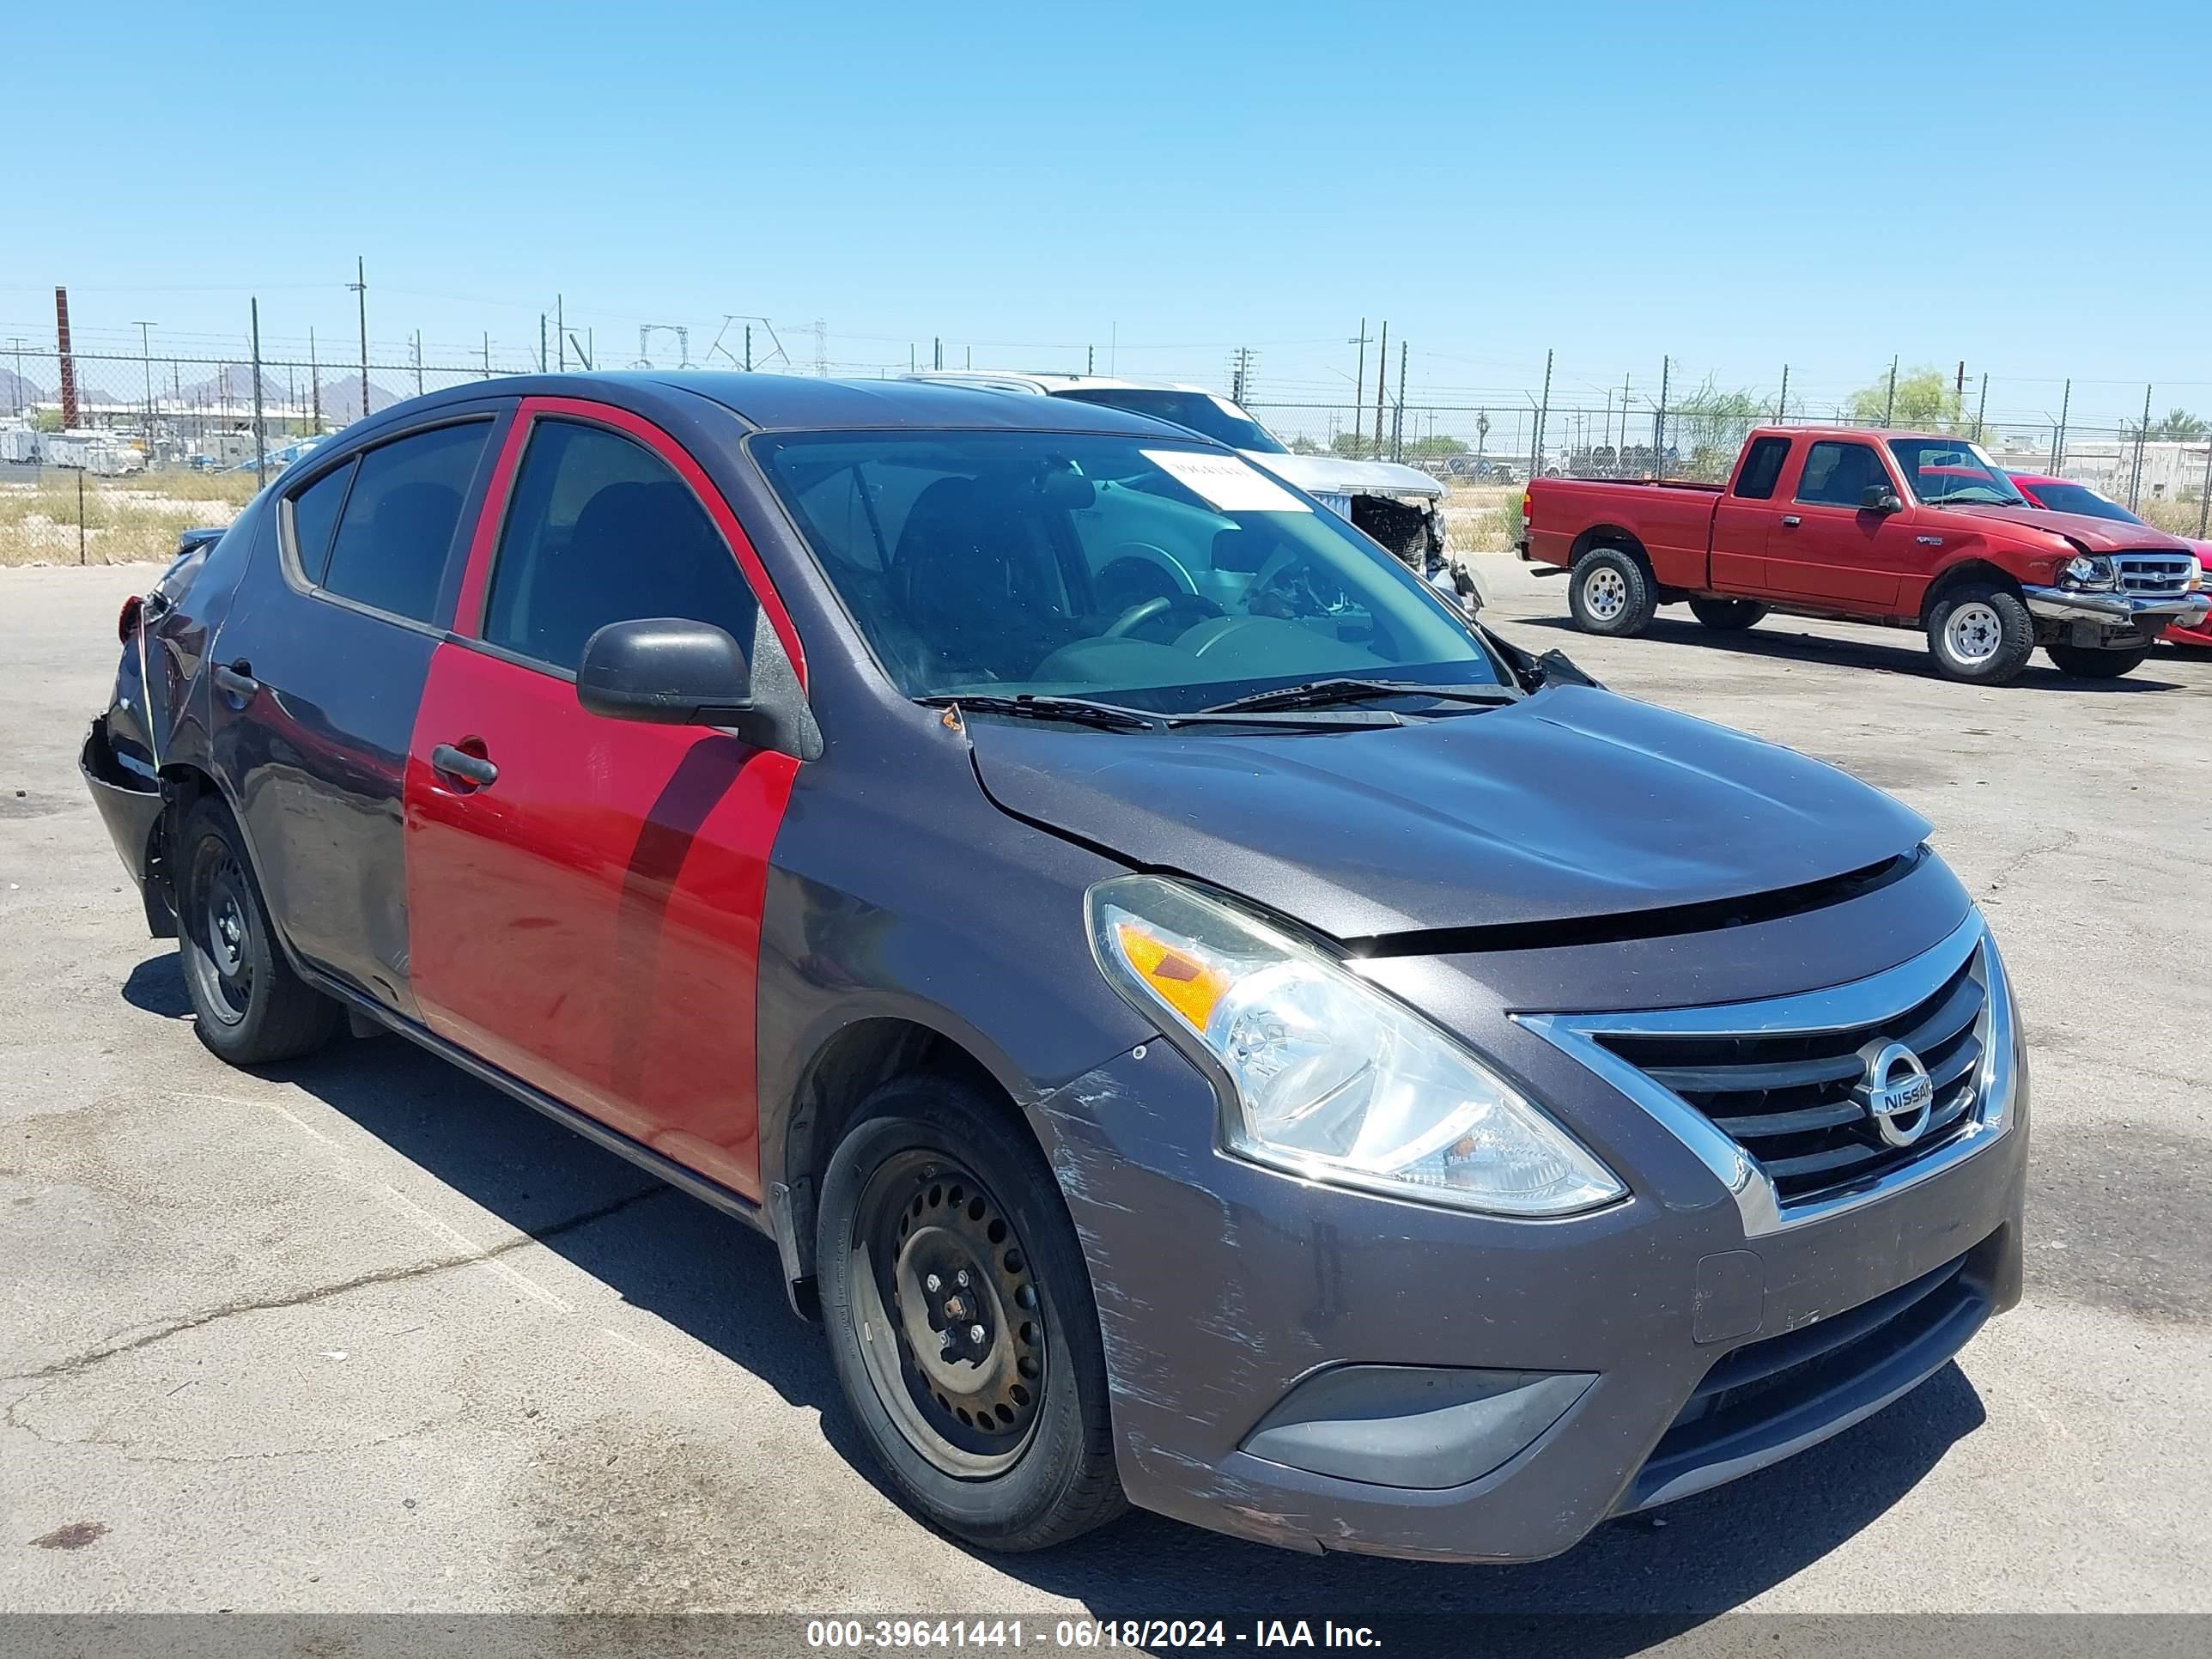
1908	530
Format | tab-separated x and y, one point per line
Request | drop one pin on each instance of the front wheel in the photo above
1608	592
961	1320
1980	634
2087	662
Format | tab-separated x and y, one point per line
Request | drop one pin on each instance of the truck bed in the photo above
1672	521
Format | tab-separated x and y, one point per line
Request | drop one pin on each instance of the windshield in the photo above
1201	412
1151	574
1953	472
2079	498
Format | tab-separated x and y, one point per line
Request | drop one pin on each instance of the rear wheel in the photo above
961	1320
248	1006
1608	592
2087	662
1980	634
1728	616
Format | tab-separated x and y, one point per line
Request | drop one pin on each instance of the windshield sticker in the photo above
1225	483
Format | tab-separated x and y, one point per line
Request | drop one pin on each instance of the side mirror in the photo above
672	672
1880	498
665	670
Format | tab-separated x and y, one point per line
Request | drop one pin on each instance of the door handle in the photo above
236	678
1790	521
460	764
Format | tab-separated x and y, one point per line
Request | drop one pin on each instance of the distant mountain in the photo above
342	398
15	392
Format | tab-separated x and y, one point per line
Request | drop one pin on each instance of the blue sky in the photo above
1735	186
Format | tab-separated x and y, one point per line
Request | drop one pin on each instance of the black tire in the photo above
2087	662
1728	616
1992	639
249	1007
930	1182
1609	593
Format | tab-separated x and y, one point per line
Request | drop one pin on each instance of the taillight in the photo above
126	625
1528	506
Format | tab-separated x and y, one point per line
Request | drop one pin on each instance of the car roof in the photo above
1008	379
808	402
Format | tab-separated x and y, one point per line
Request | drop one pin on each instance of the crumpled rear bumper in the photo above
131	806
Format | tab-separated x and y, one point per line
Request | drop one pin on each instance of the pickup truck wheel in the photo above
1609	593
961	1320
248	1006
1980	634
2086	662
1728	616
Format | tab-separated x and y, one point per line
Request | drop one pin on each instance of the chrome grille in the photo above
2156	575
1796	1101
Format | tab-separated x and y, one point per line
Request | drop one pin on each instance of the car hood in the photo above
2098	535
1329	475
1574	803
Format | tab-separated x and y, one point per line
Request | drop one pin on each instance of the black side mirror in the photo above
671	671
1880	498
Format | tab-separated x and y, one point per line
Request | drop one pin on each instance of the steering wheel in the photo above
1145	609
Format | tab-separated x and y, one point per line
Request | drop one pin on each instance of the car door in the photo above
586	893
318	668
1744	517
1826	543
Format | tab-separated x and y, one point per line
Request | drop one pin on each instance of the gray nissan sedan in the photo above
1204	1026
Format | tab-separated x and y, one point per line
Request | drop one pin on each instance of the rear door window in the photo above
601	529
1838	474
312	516
396	533
1761	469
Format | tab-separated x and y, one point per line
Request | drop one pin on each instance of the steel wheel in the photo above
943	1270
217	912
1973	632
1605	594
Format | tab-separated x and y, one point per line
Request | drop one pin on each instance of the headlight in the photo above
2086	570
1335	1080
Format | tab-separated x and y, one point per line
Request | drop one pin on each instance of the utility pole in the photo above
418	363
1781	404
541	343
2143	435
68	359
2058	443
1889	407
1659	422
1360	378
260	432
560	335
2205	492
1398	420
1382	384
749	348
1240	374
1089	359
1981	412
146	362
936	350
1543	414
15	389
360	286
486	353
315	382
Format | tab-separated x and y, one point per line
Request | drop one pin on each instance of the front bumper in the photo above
1644	1352
2117	610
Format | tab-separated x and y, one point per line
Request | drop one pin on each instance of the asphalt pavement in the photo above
363	1334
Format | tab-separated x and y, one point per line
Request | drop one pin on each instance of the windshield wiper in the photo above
1081	710
1116	717
1319	694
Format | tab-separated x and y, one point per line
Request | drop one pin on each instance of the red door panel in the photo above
590	922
